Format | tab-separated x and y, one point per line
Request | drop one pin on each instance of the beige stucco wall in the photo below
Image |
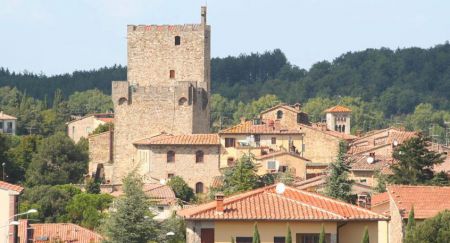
289	118
4	214
369	176
353	232
268	230
184	165
293	162
82	128
282	143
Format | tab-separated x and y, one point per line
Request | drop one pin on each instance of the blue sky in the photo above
58	36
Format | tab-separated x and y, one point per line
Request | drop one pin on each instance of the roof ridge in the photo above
307	205
337	201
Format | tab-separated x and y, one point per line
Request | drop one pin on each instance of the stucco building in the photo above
273	210
9	198
7	124
84	126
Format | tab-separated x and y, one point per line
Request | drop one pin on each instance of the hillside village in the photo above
156	171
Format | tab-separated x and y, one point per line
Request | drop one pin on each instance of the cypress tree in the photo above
322	235
410	227
365	236
338	184
256	238
289	235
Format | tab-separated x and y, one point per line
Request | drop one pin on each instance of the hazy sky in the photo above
58	36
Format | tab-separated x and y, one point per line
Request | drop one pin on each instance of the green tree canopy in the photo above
57	161
410	227
434	230
338	184
181	189
88	209
131	221
89	101
414	162
241	177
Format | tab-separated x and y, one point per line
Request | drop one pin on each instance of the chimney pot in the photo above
219	202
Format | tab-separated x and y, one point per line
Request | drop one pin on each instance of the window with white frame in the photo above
272	165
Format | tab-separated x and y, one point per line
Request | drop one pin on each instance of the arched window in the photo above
199	187
182	101
177	40
336	128
279	114
343	128
170	156
339	128
199	156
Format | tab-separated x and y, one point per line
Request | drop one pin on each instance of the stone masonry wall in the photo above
396	223
185	165
99	150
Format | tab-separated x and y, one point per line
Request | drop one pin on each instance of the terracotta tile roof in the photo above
379	198
64	232
318	127
264	128
279	153
187	139
311	182
338	109
382	163
284	106
292	205
369	142
7	186
106	119
4	116
158	193
427	200
217	181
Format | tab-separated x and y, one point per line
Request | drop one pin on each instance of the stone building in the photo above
338	119
9	198
82	127
167	90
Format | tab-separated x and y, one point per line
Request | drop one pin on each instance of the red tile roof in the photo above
284	106
318	127
61	232
106	119
338	109
381	163
379	198
187	139
4	116
264	128
7	186
292	205
368	142
158	193
427	200
279	153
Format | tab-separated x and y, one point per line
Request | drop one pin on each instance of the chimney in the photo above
219	202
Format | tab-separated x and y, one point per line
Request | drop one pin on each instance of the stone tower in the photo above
168	87
338	119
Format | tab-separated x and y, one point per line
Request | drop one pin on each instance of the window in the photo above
343	128
182	101
170	175
199	187
364	181
122	101
283	168
177	40
9	125
170	157
257	139
312	238
244	239
160	208
1	125
279	239
336	127
279	114
274	140
172	74
272	165
199	156
230	161
230	142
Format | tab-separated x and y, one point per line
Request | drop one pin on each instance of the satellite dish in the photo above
280	188
370	160
162	181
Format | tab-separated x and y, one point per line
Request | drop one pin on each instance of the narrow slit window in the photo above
177	40
172	74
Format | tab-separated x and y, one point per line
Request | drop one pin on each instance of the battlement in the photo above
165	28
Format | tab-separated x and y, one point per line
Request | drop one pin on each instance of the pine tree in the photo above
131	221
415	162
289	235
365	236
410	227
256	238
322	235
338	184
57	98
